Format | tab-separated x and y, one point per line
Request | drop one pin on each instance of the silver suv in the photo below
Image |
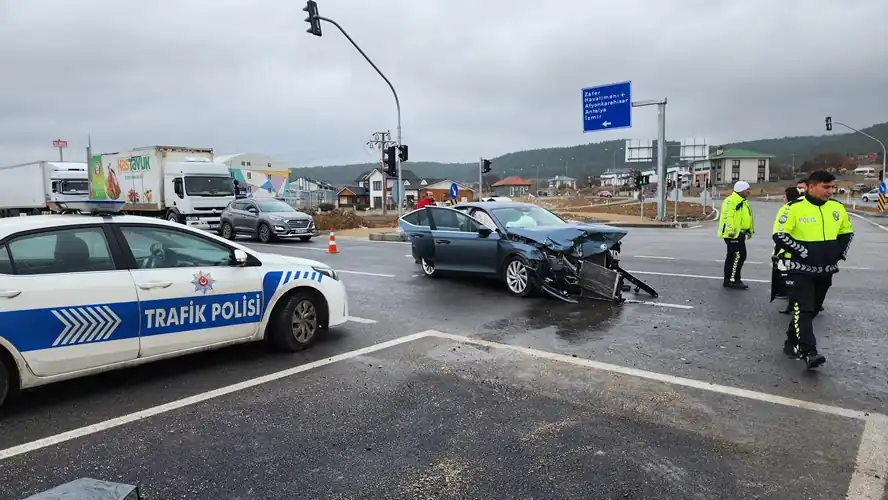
265	220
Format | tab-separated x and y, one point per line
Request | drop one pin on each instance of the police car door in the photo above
191	293
67	300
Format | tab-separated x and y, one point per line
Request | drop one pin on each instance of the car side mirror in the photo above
484	231
240	257
253	210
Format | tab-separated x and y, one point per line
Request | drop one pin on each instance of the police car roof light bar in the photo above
95	207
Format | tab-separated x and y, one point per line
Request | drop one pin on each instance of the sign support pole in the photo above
661	153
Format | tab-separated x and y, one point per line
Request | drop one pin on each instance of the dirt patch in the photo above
687	212
349	219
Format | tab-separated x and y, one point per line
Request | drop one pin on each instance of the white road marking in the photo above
867	481
722	261
883	228
652	257
871	464
661	304
197	398
362	273
694	227
870	475
408	256
289	247
358	319
695	276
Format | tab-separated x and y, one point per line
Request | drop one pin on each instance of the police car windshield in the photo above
530	216
274	206
203	185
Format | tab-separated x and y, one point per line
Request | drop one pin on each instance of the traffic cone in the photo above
331	247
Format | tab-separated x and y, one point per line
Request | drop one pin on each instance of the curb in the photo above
388	236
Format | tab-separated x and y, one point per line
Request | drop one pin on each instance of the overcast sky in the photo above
475	78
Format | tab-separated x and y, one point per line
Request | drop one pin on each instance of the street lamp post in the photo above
311	8
829	122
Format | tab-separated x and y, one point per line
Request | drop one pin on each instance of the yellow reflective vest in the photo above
735	217
813	234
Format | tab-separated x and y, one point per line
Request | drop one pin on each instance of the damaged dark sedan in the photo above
528	247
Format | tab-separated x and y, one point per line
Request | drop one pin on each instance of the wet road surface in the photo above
453	419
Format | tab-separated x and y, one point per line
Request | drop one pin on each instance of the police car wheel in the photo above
297	324
4	382
264	233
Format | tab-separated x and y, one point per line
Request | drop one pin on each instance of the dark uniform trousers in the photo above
806	296
735	258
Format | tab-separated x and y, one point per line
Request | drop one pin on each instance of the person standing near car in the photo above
816	233
735	226
428	200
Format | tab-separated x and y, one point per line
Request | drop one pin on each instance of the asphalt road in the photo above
685	396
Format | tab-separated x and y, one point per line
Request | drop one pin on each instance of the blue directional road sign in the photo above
883	187
454	191
607	107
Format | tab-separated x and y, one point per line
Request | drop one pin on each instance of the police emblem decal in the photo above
202	282
836	215
783	219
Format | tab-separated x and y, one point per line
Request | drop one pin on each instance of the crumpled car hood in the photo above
594	238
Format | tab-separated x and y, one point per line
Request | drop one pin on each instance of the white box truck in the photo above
177	183
37	187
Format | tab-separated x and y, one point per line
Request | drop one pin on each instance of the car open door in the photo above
416	225
463	243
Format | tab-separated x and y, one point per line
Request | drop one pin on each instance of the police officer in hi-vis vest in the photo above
815	233
735	226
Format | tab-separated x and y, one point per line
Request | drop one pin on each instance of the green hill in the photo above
594	158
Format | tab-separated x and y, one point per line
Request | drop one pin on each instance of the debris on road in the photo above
348	219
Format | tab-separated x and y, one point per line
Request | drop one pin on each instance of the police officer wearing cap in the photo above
735	226
815	232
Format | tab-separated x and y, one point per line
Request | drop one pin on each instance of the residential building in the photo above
353	197
511	186
562	182
257	175
727	166
305	192
372	180
616	178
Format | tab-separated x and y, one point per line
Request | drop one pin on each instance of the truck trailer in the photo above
40	186
180	184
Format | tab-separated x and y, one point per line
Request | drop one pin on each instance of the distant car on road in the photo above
605	194
265	220
873	195
525	245
86	294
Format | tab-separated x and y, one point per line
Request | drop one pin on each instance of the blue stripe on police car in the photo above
56	327
183	314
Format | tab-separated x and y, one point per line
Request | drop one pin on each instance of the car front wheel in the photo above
264	233
298	323
4	382
517	277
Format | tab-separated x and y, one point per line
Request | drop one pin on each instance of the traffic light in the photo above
647	180
828	123
486	164
390	162
402	152
639	180
678	178
881	175
312	8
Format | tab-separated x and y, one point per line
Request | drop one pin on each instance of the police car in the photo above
80	294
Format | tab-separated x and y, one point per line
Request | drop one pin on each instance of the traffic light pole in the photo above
884	155
400	190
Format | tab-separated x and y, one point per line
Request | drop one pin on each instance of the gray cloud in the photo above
475	78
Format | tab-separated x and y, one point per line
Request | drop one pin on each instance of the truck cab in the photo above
66	183
196	191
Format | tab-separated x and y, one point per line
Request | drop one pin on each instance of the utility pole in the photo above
380	141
